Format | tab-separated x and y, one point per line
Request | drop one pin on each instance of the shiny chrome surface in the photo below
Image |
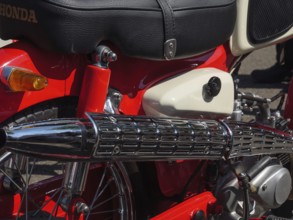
125	137
13	168
270	187
254	139
112	102
16	162
273	186
5	157
58	139
75	177
106	137
104	56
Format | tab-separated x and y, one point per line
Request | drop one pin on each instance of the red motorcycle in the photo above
132	109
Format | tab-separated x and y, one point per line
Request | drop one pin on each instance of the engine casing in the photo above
269	189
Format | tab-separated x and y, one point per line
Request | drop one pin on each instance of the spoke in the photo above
19	188
25	192
97	191
105	187
107	200
100	185
47	201
18	212
31	171
19	172
21	203
26	188
30	199
56	205
108	211
63	168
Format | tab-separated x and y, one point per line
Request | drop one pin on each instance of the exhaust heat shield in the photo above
105	137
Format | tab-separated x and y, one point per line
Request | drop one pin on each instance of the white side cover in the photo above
239	43
183	95
5	42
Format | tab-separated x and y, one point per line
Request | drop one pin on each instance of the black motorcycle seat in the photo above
138	28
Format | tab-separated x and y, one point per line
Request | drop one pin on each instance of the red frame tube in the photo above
94	90
187	209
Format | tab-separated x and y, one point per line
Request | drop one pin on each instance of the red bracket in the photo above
187	209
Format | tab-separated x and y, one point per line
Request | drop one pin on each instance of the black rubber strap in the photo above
169	29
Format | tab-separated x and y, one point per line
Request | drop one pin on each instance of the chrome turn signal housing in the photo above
21	80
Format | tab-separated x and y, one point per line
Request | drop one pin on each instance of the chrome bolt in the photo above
114	120
207	150
116	150
81	207
111	57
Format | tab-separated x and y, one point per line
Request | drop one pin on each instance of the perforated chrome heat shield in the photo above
107	137
161	138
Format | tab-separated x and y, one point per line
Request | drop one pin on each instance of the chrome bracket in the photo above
170	47
103	56
112	103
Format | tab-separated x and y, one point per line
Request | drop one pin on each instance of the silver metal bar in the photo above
4	157
75	177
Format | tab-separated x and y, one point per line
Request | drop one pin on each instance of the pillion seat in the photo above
153	29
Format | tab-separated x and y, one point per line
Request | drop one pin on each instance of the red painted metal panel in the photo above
187	209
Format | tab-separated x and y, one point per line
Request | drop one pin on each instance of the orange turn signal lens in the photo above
20	80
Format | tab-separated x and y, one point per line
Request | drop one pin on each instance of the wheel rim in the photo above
107	195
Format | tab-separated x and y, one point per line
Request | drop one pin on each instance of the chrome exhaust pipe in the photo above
106	137
64	139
